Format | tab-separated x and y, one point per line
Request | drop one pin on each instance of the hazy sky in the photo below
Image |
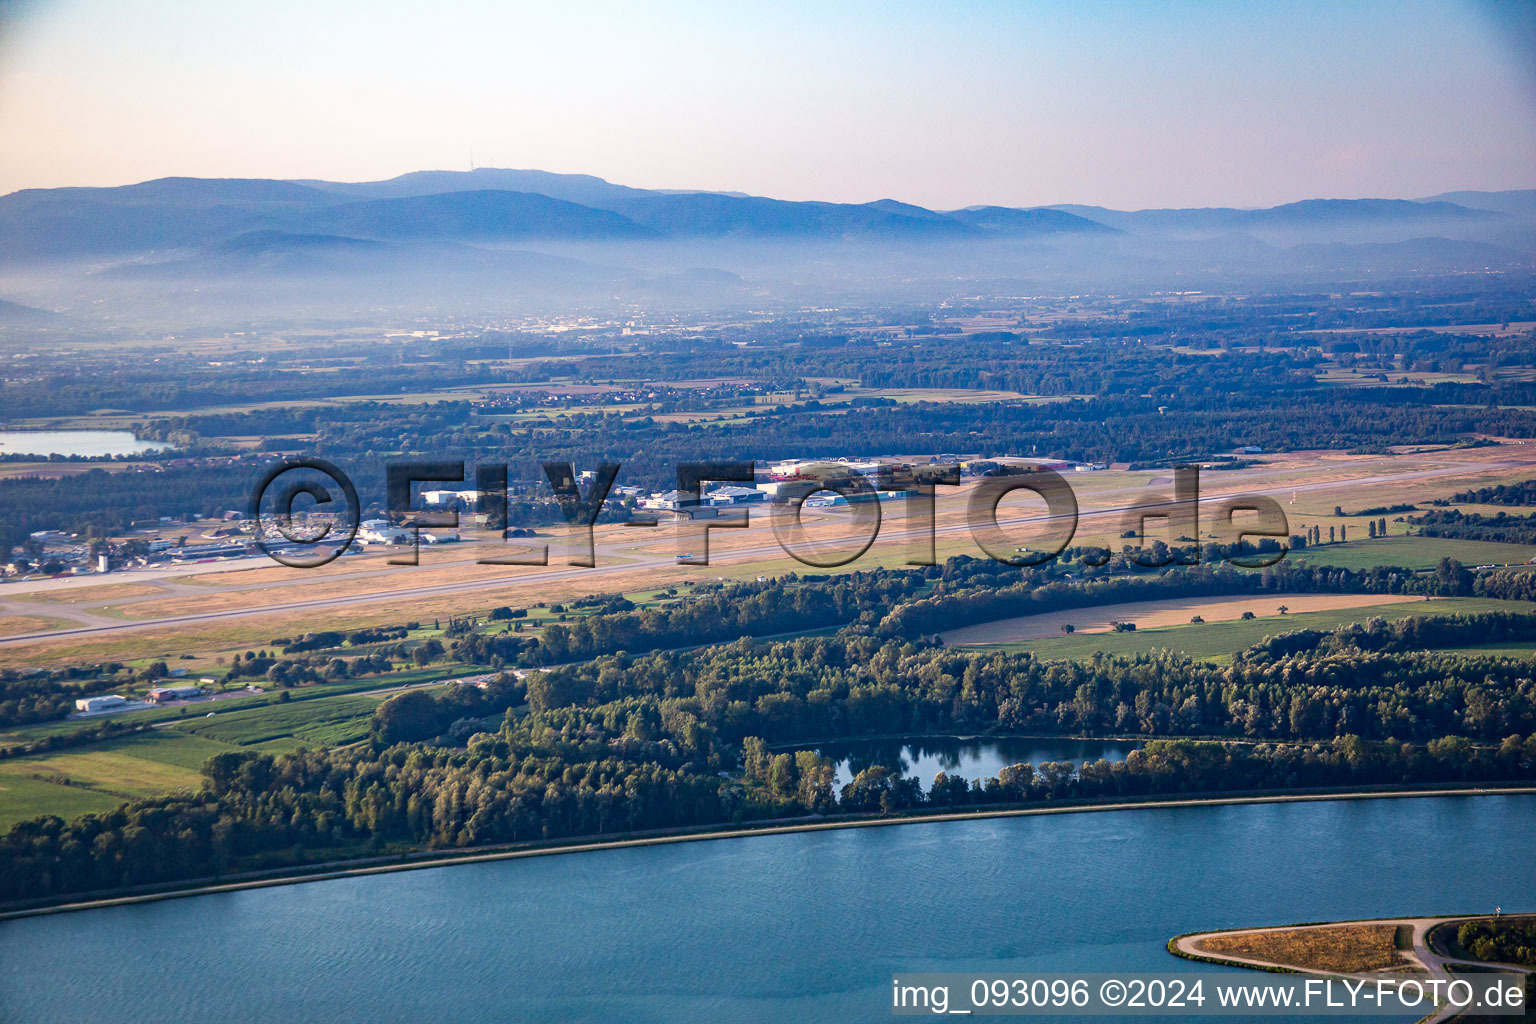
944	104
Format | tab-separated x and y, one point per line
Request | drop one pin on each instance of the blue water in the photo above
805	927
976	758
74	442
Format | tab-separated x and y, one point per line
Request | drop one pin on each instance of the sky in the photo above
1128	105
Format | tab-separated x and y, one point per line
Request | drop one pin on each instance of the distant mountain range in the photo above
1520	202
494	238
1309	215
16	313
465	207
510	206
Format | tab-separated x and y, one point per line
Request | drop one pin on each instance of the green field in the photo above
1411	553
101	776
272	697
23	797
166	746
1511	649
1219	640
327	722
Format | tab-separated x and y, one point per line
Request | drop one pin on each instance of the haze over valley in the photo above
503	242
1067	471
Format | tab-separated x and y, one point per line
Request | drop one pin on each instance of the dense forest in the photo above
857	685
1505	942
726	734
783	605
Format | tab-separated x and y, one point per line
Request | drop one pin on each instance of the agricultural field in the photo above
23	797
1495	650
18	735
1413	553
313	694
1156	614
99	777
54	470
328	722
1219	640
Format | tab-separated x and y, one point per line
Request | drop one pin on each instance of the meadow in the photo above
99	777
1218	641
1152	615
1413	552
328	722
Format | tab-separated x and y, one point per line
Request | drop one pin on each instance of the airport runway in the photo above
631	562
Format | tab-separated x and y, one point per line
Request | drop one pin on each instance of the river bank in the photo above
360	867
804	926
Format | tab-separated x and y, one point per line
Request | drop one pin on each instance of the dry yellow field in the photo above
1339	949
25	624
366	590
57	470
98	595
108	771
1150	614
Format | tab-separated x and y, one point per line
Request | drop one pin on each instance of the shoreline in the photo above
362	867
1421	952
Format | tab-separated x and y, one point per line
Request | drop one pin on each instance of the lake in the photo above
974	758
801	927
74	442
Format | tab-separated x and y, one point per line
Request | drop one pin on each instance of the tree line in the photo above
627	743
857	684
912	603
1520	493
1501	528
1505	942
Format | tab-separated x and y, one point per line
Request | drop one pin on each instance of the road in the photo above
632	562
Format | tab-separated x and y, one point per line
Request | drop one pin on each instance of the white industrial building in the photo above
384	535
734	496
161	694
794	467
666	501
115	700
444	498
